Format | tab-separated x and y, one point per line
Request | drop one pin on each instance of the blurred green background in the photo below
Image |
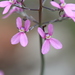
16	60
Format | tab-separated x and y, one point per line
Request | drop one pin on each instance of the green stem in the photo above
40	22
42	58
40	12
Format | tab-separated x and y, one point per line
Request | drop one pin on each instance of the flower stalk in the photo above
40	22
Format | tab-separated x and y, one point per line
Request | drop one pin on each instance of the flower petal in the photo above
4	3
55	4
6	9
27	25
71	7
55	43
15	39
19	22
45	47
50	29
14	1
62	1
1	72
69	12
41	32
23	39
10	12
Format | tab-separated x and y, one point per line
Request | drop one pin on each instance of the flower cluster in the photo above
7	5
69	9
15	6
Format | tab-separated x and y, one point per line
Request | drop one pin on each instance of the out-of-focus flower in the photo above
1	72
7	5
13	10
21	35
48	40
69	9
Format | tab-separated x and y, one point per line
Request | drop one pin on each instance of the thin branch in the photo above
52	21
43	2
31	28
40	12
30	18
51	8
26	8
55	20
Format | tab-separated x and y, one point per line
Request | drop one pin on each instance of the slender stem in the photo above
51	8
40	12
43	2
55	20
26	8
42	58
30	18
40	22
46	23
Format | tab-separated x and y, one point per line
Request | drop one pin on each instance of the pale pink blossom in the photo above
21	35
64	15
1	72
69	9
49	40
7	5
13	10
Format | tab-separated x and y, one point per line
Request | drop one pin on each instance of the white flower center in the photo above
21	30
63	4
48	36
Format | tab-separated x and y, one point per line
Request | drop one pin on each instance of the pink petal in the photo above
71	6
10	12
1	72
41	32
50	29
15	1
15	39
62	1
55	4
6	9
4	3
69	12
27	25
45	47
19	22
23	39
55	43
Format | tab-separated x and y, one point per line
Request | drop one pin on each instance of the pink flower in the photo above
13	10
21	35
7	5
1	72
68	8
64	15
49	40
